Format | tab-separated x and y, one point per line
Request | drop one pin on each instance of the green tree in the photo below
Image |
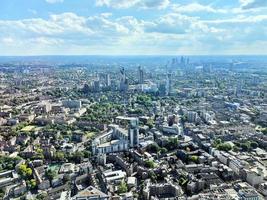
224	147
163	150
122	188
42	196
172	143
32	184
254	145
153	148
245	146
78	156
193	158
216	142
25	171
59	156
153	177
87	154
51	174
149	164
2	193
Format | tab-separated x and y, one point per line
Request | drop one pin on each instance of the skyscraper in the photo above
140	75
124	84
133	133
169	84
107	80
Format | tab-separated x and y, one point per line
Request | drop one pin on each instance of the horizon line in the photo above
129	55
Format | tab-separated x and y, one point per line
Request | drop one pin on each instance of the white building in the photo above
114	176
192	116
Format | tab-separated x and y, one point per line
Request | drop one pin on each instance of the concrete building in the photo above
117	138
72	104
114	176
192	116
164	190
140	75
90	193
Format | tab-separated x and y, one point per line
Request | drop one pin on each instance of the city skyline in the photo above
120	27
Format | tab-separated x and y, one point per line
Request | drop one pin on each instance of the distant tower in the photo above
96	85
123	76
133	132
140	75
107	80
169	84
124	83
182	61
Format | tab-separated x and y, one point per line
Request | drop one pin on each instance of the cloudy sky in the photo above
133	27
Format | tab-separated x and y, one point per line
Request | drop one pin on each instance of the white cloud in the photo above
144	4
69	33
68	28
240	19
175	23
196	7
251	4
7	40
54	1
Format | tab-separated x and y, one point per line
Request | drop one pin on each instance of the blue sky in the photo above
133	27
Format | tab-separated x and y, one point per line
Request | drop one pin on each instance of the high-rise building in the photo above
107	80
124	84
96	85
169	84
133	132
86	88
162	89
140	75
192	116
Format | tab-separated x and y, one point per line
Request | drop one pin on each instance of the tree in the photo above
245	146
2	193
254	145
149	164
42	196
150	123
153	176
153	148
163	150
51	174
216	142
235	149
87	154
172	143
122	188
25	171
224	147
193	158
59	156
78	156
32	184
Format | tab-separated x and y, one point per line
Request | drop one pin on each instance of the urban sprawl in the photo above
187	130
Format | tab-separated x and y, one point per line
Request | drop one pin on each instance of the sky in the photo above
133	27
